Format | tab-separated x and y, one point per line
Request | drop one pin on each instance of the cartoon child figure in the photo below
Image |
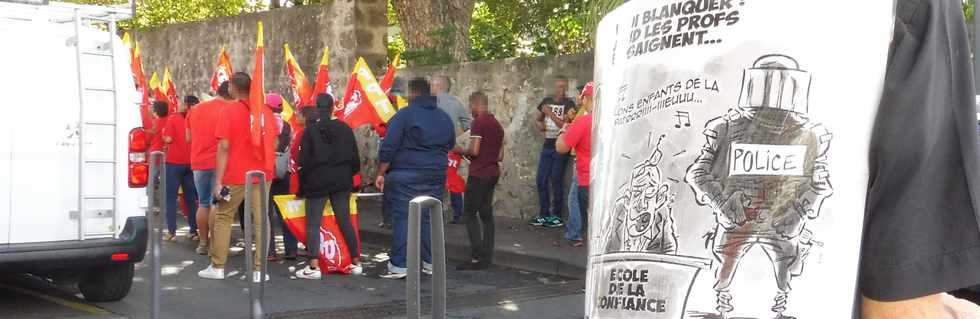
643	219
763	172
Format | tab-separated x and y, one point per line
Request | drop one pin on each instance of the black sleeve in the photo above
921	232
356	156
543	102
304	158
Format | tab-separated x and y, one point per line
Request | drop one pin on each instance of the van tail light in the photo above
139	169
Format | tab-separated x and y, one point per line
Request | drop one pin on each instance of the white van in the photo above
69	121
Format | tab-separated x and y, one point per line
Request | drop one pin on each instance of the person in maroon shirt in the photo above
485	153
179	175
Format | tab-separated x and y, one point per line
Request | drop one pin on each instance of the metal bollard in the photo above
155	224
256	289
438	257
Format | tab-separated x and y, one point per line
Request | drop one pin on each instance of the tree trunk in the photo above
275	4
419	19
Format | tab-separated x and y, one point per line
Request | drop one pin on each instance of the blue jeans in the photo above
551	168
573	227
456	200
204	183
181	176
402	186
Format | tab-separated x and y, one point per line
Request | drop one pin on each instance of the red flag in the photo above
302	94
389	78
263	135
139	78
170	90
223	71
356	110
322	85
364	101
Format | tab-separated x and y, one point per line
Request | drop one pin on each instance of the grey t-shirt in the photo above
452	106
921	234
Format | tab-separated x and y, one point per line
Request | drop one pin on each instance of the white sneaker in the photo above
212	273
427	268
258	274
355	269
308	273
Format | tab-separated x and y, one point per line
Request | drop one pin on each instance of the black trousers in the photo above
477	212
340	202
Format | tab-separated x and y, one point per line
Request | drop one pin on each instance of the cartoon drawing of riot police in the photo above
643	219
763	172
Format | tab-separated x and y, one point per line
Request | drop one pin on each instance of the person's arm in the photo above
473	150
187	129
707	188
539	120
222	132
921	233
465	118
570	136
304	158
221	163
356	156
393	139
500	157
379	182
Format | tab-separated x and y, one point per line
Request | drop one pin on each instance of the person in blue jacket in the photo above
413	163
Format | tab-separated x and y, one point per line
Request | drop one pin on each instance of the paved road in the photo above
495	293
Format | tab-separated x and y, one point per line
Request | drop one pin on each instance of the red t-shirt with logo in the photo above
202	120
454	182
179	150
578	136
233	125
156	142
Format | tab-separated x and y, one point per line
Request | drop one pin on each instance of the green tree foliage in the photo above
152	13
509	28
969	6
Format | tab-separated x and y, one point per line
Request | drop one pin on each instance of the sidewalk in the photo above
518	245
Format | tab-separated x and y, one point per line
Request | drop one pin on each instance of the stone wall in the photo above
515	88
357	28
350	28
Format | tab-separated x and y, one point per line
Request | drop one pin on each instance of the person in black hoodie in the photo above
328	160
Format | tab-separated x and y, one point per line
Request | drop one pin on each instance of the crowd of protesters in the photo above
424	145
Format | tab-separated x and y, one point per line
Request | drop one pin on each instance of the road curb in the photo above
457	251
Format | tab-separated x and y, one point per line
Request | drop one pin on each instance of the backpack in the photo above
282	152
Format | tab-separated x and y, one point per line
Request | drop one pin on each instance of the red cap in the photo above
589	89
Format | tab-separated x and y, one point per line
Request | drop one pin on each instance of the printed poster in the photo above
731	156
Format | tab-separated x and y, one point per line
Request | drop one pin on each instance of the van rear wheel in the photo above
107	283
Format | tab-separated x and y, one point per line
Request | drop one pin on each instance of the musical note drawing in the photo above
683	118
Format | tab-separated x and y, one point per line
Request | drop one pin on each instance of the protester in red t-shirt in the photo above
236	156
201	123
578	136
179	176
